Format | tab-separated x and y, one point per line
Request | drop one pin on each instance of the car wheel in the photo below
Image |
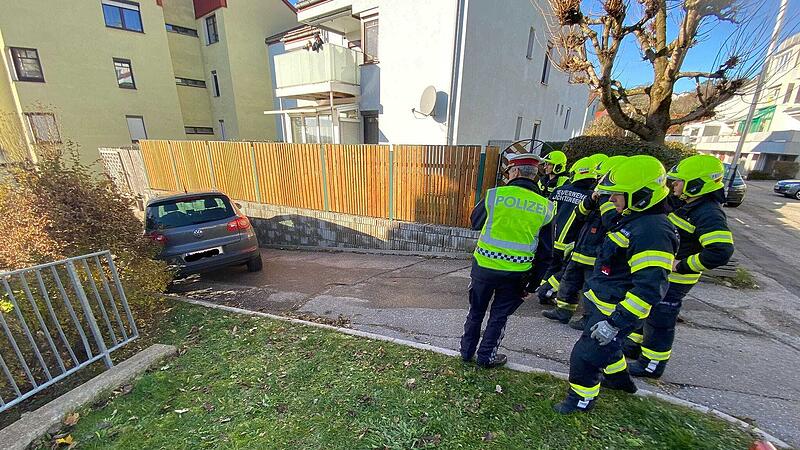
797	194
255	264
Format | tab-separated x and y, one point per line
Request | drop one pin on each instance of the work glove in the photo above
604	332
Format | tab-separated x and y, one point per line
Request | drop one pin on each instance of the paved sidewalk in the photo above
738	350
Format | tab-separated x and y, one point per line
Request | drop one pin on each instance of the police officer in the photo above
706	243
628	279
555	166
510	219
567	223
599	215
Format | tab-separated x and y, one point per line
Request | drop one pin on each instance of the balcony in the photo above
784	142
310	75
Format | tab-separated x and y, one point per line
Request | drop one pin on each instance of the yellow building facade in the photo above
106	73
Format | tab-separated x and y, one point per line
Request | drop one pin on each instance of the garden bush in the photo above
786	169
760	175
578	147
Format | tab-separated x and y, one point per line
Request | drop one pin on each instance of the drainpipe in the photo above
457	65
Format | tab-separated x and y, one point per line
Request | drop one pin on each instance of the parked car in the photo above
201	232
789	188
737	190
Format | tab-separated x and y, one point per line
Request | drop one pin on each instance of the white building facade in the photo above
774	132
486	61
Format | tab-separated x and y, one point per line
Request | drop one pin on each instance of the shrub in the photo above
760	175
786	169
581	146
59	208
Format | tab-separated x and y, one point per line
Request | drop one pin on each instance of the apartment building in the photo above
416	71
774	132
110	72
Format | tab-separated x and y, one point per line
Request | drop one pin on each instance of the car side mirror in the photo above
238	205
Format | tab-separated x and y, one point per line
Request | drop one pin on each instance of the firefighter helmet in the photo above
598	159
641	178
583	168
609	164
558	159
700	174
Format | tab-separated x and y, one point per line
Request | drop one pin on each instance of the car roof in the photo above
184	196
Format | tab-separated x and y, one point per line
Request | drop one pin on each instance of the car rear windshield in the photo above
188	211
737	180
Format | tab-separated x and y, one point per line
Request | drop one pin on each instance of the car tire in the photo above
733	204
255	264
797	194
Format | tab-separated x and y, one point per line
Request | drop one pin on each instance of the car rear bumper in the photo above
233	254
735	196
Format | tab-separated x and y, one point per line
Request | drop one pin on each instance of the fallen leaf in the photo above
128	388
208	407
181	411
68	440
498	389
72	419
488	437
435	439
225	420
411	383
519	407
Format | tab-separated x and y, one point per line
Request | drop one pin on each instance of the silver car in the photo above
789	188
202	232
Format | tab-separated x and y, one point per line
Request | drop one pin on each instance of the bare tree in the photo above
589	45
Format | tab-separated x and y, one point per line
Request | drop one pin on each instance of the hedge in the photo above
581	146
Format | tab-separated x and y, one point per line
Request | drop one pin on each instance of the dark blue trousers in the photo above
659	327
507	288
572	282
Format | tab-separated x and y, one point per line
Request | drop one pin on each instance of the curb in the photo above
512	366
371	251
33	425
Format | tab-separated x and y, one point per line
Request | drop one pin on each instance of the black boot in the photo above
546	295
631	349
572	404
579	323
499	360
646	368
560	314
620	381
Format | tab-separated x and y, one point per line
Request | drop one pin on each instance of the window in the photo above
783	61
26	64
44	127
370	40
788	97
215	82
212	35
536	125
531	41
797	98
222	129
192	211
546	68
518	128
566	118
124	73
122	15
311	129
198	130
136	128
181	30
190	82
371	130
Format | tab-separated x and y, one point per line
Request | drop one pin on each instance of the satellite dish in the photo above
427	102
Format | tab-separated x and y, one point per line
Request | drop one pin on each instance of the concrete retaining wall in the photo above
281	225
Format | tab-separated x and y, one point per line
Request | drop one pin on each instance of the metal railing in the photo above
332	63
44	321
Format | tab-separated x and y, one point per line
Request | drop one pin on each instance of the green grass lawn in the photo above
246	382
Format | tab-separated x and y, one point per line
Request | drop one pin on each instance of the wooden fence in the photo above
434	184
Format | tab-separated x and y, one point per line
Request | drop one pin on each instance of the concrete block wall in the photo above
282	225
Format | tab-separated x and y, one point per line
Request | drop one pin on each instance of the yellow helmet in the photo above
641	178
597	159
610	163
583	169
558	159
700	174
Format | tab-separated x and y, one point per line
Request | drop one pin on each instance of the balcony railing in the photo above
331	64
769	136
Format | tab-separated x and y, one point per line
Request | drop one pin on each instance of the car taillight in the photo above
158	237
238	224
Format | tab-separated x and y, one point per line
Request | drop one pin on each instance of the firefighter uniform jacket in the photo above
632	267
567	223
599	215
706	241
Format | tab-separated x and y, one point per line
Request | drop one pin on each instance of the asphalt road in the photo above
766	229
738	351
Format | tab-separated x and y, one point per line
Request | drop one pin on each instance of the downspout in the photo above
457	65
